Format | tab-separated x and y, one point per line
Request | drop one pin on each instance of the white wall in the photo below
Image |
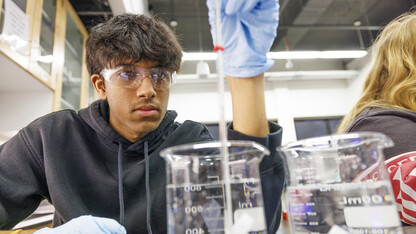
285	100
355	86
21	108
309	98
23	98
198	102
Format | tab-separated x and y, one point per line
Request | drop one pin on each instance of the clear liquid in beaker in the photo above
365	207
199	208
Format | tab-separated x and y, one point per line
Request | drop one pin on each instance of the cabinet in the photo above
48	73
73	83
42	41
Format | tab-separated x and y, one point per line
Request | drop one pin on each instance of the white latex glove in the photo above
86	224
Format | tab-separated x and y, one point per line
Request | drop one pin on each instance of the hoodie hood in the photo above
97	116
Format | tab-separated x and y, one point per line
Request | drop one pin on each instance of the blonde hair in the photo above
391	82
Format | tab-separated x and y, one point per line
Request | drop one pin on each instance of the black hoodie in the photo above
399	125
75	161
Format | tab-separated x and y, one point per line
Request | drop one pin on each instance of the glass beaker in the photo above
340	182
195	187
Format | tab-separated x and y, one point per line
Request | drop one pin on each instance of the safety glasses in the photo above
130	76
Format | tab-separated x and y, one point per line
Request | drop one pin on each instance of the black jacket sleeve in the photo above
271	172
20	180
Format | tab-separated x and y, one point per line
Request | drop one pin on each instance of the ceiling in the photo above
304	24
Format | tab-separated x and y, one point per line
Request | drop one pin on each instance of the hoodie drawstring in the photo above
120	182
146	155
120	185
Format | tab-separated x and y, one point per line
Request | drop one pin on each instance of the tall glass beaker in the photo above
340	182
195	185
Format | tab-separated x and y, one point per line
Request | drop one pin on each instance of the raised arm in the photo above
248	29
249	109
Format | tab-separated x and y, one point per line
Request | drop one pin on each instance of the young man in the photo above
102	164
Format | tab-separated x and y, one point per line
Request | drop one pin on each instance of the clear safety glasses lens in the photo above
133	76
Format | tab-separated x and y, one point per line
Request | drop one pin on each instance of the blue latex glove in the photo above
86	224
249	28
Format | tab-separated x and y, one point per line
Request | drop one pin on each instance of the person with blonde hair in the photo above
388	105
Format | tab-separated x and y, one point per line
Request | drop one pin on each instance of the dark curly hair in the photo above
132	37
